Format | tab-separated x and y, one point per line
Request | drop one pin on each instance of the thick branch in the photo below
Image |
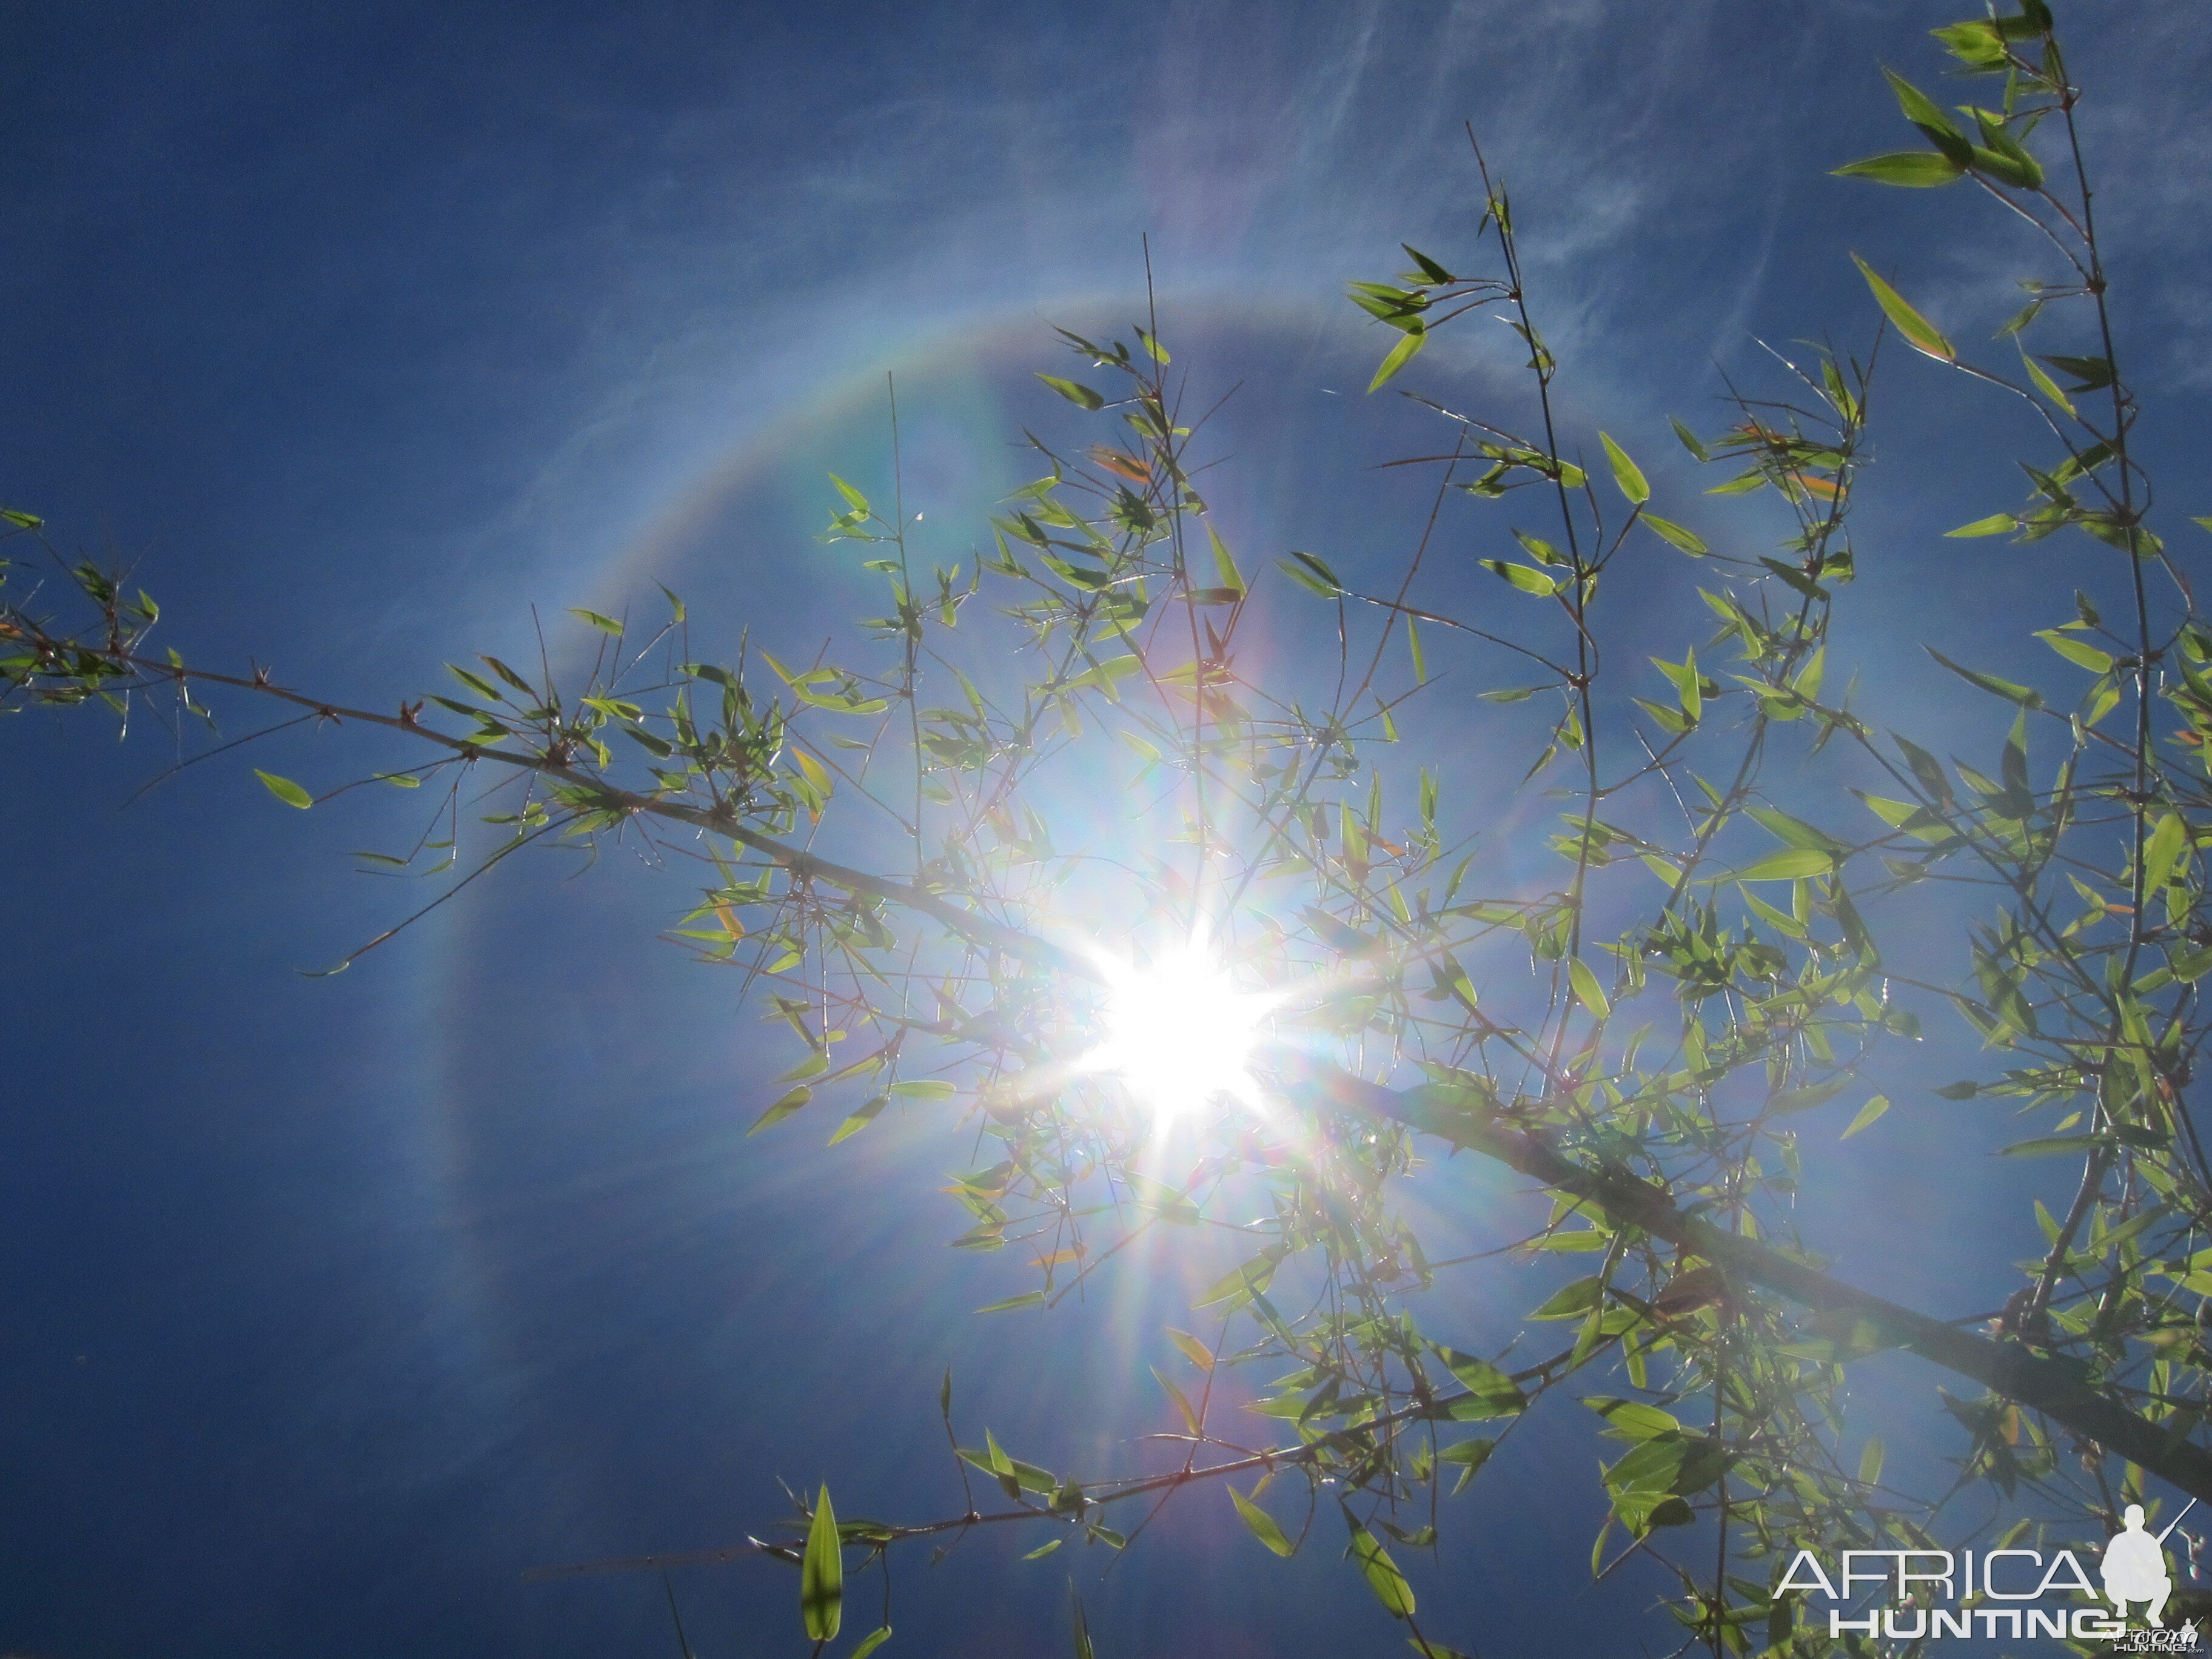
2052	1387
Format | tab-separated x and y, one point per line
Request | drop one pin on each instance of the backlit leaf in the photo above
1415	336
1914	168
1997	524
1587	989
1262	1523
285	790
1919	333
1791	864
1625	473
1313	575
1027	1299
1384	1577
1074	392
2079	651
1688	541
784	1106
1867	1115
1528	579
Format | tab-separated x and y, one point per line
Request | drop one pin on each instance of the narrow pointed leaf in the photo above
1384	1577
1415	336
1919	333
1262	1523
822	1574
285	790
1625	472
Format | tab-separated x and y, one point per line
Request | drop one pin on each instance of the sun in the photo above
1177	1030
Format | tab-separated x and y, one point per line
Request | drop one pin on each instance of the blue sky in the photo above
333	1305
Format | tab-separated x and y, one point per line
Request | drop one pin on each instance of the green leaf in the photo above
1083	1646
1470	1455
1630	1419
1919	333
1918	169
1262	1523
1528	579
1493	1392
1997	524
285	790
2078	652
1870	1462
1074	392
784	1106
1430	268
1384	1577
2043	383
21	521
925	1088
1690	439
1043	1550
854	498
1027	1299
822	1574
1992	683
1572	1302
1796	831
1311	574
604	624
863	1114
1625	472
1224	565
874	1639
1587	989
2094	374
1868	1113
1415	336
1193	1350
814	772
1791	864
1240	1284
2162	852
1688	541
1923	112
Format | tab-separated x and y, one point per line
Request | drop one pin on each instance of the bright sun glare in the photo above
1178	1031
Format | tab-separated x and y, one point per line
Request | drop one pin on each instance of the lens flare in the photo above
1178	1032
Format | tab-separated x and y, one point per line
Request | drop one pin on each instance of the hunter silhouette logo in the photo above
2134	1566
